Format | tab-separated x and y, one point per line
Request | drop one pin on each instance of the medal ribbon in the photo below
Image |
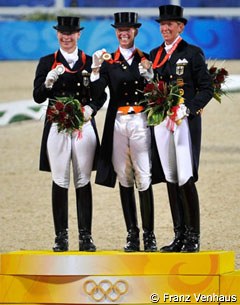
166	57
66	69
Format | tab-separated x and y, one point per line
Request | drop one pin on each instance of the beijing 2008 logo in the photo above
105	290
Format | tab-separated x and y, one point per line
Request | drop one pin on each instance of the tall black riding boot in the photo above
60	217
176	207
130	215
84	214
147	214
192	217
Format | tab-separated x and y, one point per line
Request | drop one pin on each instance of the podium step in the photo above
115	263
115	277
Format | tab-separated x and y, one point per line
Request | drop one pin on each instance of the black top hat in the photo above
68	24
171	12
126	19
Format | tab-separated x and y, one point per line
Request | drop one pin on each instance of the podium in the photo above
116	277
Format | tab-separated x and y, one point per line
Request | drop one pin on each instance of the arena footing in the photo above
115	277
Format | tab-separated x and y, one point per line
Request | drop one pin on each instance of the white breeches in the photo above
131	150
63	148
175	151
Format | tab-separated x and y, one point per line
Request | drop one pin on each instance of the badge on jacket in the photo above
180	66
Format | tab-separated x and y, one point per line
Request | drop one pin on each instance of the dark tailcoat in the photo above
198	89
68	84
125	86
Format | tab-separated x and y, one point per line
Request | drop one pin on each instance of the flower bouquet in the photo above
162	100
219	76
67	112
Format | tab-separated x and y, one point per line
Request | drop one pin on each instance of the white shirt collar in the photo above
169	46
71	58
126	53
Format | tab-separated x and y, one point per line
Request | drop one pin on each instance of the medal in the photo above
146	63
106	56
60	69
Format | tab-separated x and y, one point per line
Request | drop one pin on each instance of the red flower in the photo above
59	105
62	116
174	110
68	123
220	78
223	71
160	100
50	112
161	85
69	108
212	70
149	87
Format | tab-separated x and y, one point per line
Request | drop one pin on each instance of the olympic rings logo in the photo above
105	290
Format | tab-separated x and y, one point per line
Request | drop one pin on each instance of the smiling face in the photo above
170	30
68	41
126	36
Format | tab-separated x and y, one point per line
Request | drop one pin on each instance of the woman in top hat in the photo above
179	145
58	149
126	146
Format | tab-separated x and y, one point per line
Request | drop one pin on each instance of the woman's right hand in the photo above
97	58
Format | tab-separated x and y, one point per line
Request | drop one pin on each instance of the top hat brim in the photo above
67	29
183	20
126	25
